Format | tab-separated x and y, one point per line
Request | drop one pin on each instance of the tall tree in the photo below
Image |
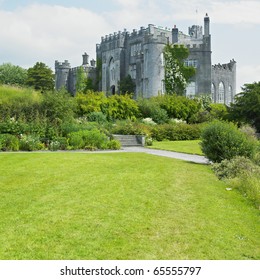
247	105
41	77
12	74
177	75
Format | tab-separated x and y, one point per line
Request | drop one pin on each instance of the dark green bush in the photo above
222	140
9	142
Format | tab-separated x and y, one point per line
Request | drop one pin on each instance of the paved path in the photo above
182	156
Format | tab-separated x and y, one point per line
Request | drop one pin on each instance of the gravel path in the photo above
182	156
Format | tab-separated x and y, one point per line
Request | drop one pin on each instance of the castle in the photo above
140	55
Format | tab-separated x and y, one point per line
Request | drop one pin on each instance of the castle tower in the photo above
61	74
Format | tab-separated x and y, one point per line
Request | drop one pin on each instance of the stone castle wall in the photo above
140	55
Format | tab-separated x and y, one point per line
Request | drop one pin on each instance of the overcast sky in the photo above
45	30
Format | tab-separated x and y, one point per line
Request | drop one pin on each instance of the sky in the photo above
45	30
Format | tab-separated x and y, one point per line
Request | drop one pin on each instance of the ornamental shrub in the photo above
176	131
30	143
222	140
86	139
9	142
242	174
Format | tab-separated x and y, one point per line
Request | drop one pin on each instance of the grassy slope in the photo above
120	206
188	146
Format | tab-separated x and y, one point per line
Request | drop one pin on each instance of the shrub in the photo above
176	131
9	142
30	143
234	167
242	174
59	143
88	139
114	145
222	140
127	127
98	117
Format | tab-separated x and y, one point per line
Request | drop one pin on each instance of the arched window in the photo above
221	93
229	96
213	92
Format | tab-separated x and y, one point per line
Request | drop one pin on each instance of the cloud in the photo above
39	32
222	11
248	74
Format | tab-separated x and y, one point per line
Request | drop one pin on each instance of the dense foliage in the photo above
247	106
222	140
177	75
40	77
12	75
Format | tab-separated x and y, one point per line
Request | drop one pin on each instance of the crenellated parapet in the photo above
62	65
231	66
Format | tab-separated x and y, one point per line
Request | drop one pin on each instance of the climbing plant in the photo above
177	75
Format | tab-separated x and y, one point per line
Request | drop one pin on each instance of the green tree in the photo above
12	74
126	85
247	106
177	75
41	77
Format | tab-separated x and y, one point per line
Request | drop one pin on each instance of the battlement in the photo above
227	66
62	65
150	30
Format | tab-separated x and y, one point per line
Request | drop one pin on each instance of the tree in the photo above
247	106
12	74
177	74
126	85
41	77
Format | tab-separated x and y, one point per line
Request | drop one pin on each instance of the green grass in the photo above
120	206
188	146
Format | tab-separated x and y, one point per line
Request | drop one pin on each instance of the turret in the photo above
85	57
206	26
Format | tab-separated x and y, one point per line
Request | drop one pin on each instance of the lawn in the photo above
188	146
120	206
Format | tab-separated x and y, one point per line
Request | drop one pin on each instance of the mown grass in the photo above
188	146
120	206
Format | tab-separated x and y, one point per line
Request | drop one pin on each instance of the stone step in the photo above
129	140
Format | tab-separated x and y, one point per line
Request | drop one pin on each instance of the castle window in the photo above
191	63
229	96
191	89
221	93
136	49
162	59
213	92
132	70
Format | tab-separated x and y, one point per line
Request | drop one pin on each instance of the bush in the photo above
98	117
128	127
30	143
114	145
9	142
88	139
59	143
242	174
177	131
222	140
228	169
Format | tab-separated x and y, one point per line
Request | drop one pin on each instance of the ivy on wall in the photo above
177	75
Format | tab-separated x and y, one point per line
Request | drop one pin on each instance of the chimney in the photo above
85	57
175	32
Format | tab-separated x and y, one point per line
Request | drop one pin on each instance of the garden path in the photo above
163	153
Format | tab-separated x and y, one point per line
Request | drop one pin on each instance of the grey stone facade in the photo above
140	55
